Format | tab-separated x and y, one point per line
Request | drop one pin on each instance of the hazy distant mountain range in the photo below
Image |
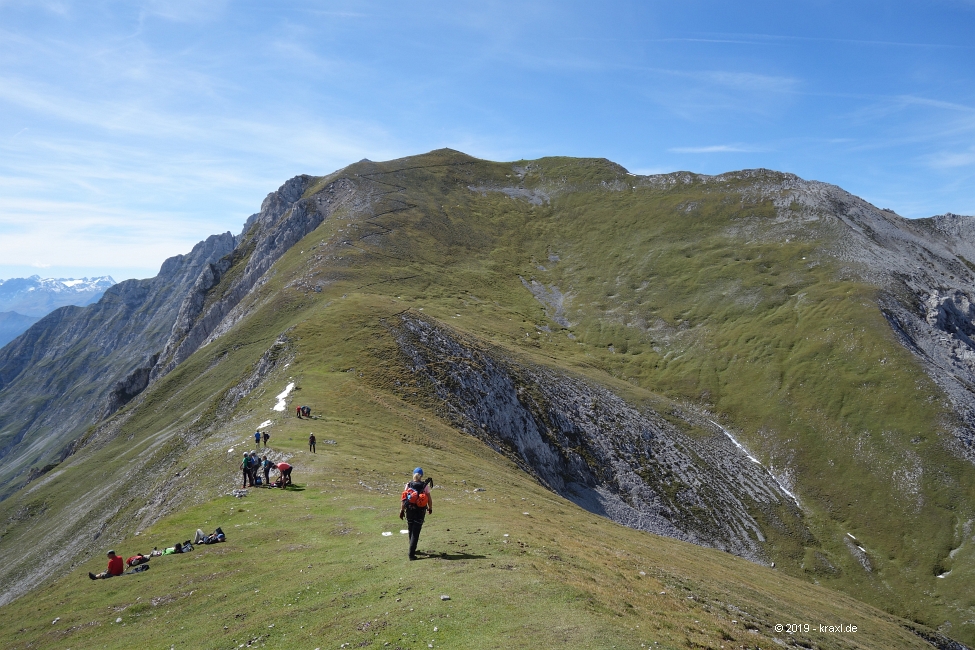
23	301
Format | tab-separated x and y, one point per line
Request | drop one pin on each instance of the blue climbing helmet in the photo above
418	470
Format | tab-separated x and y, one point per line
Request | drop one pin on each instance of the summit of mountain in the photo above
764	370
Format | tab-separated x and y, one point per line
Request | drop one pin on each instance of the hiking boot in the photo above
92	576
412	557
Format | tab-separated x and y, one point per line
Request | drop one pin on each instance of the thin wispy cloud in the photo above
185	11
168	120
949	160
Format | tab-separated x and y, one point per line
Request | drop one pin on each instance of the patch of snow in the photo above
264	424
282	396
387	534
757	462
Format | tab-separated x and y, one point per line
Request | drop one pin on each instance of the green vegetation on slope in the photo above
682	290
310	567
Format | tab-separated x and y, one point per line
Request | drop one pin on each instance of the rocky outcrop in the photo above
589	445
285	218
279	353
925	269
123	391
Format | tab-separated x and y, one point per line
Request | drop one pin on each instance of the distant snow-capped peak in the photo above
73	285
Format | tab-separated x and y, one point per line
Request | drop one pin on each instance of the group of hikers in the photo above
140	561
415	503
251	465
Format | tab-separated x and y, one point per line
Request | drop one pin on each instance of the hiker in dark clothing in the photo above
115	567
267	465
311	443
415	505
255	467
266	436
245	467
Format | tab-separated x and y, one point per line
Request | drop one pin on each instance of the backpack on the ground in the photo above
415	495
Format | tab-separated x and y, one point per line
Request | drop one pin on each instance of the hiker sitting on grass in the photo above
115	568
212	538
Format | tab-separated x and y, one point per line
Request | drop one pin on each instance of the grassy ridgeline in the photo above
313	562
684	291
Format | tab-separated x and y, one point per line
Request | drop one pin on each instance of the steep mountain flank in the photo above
138	332
564	322
284	219
57	378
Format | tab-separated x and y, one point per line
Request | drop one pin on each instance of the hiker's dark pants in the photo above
247	476
414	522
267	479
311	447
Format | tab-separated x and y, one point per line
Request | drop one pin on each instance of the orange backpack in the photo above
415	494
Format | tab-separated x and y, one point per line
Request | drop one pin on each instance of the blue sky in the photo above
131	130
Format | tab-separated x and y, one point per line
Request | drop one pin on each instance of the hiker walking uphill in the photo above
416	503
257	438
311	443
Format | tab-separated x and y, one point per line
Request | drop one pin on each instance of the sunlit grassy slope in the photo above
678	292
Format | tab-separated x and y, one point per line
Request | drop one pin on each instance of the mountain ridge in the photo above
754	299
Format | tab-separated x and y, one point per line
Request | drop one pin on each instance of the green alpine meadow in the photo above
669	411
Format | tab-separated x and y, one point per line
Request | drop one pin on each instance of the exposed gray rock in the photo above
554	300
284	219
589	445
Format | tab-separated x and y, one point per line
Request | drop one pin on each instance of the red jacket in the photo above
283	466
116	566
